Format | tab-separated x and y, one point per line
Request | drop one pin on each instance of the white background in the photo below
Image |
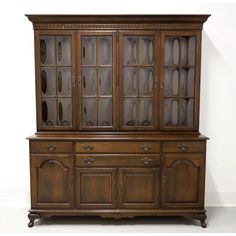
17	91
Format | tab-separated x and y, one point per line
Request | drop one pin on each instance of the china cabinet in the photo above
117	100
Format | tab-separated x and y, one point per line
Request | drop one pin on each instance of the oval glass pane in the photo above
176	47
175	82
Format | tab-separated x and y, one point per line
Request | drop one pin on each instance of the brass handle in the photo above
183	147
51	147
146	160
145	147
88	161
88	148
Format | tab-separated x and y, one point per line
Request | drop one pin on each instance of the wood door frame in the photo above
114	78
156	171
120	106
38	89
35	160
198	160
197	34
107	170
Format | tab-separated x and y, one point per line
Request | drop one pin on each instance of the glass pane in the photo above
47	50
63	50
183	51
64	112
105	112
89	50
64	81
130	50
146	50
170	112
182	82
130	81
190	82
89	81
146	112
190	112
105	50
105	81
130	112
175	82
48	81
89	112
183	112
146	76
49	116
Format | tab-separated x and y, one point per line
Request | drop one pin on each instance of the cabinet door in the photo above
183	180
55	74
51	181
97	65
138	80
180	78
96	188
139	187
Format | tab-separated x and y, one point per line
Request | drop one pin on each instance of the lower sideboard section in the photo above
157	179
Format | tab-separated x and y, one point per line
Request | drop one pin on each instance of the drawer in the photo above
183	146
117	147
117	160
51	147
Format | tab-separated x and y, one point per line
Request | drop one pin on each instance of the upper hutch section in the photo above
117	72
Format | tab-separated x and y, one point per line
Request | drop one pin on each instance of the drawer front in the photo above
117	147
183	146
117	160
51	147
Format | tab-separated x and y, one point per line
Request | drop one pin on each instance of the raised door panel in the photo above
138	74
97	70
183	180
180	67
55	74
139	187
51	181
96	188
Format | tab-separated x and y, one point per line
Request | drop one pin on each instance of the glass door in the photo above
97	57
180	80
55	81
138	80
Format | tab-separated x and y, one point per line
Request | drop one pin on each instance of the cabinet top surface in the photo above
116	18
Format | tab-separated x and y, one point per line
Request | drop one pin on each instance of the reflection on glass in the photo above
89	112
130	112
89	81
64	112
178	112
48	81
130	50
47	50
146	50
146	112
49	116
105	50
105	81
89	50
64	81
146	81
130	81
63	50
105	112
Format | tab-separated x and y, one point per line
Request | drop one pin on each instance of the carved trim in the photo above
169	26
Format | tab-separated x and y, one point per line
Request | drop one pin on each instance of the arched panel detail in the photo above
182	162
55	162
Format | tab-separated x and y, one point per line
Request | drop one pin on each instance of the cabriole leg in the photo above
32	217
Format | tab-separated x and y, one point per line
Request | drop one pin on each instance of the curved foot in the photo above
202	217
32	217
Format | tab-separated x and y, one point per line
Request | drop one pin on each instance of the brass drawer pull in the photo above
145	147
51	147
146	160
88	148
183	147
88	161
